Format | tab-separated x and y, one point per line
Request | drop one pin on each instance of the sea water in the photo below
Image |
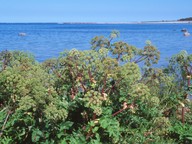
47	40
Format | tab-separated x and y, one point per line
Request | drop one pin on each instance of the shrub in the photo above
102	95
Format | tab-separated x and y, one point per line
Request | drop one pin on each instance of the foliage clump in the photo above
109	94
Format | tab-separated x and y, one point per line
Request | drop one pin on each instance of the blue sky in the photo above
93	10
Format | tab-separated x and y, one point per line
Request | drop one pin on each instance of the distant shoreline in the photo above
142	22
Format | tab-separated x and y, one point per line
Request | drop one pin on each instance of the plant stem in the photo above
6	119
90	130
183	115
119	111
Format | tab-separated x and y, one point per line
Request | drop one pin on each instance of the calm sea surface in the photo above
48	40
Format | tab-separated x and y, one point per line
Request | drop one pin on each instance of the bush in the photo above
102	95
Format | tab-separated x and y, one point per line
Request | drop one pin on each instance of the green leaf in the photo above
189	138
95	129
36	135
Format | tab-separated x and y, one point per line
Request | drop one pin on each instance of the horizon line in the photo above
131	22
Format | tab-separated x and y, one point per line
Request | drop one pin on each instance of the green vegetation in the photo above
96	96
186	19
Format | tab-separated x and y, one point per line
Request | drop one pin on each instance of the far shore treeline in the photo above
186	19
112	93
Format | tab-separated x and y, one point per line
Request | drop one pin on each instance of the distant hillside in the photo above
186	19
